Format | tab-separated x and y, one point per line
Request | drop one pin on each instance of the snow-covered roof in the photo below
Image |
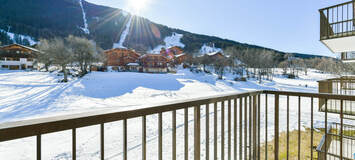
179	55
213	53
132	64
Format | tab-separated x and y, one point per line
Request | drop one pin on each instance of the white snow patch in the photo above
23	37
86	26
170	41
124	35
205	49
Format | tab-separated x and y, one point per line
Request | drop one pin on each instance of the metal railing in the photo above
337	21
244	126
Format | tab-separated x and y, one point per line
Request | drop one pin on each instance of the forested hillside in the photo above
59	18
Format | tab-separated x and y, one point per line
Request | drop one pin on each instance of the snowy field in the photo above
28	95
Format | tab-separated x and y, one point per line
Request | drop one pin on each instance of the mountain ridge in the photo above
53	18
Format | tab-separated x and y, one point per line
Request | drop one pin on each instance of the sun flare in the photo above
137	5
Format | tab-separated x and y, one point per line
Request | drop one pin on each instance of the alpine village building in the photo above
337	33
17	57
121	59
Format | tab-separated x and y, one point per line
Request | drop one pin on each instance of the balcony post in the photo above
197	133
276	127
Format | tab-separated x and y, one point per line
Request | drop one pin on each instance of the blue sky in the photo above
285	25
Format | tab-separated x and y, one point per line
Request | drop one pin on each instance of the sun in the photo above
136	6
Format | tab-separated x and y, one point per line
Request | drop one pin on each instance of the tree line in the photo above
253	63
75	52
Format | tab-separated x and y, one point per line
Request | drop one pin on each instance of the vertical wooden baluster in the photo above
229	129
207	131
74	143
288	128
326	127
197	130
102	140
222	131
266	113
259	103
250	127
240	128
299	128
341	130
235	129
125	139
186	125
254	128
215	131
311	127
144	138
276	127
174	135
39	147
245	127
160	125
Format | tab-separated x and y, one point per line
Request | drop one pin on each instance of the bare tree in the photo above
219	65
84	52
284	66
62	55
44	56
205	60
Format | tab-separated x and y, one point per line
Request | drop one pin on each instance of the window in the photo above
2	58
29	59
4	66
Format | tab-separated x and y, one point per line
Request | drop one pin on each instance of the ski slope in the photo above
86	26
124	34
170	41
28	95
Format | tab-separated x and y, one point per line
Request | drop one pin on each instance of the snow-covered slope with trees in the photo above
205	49
19	38
170	41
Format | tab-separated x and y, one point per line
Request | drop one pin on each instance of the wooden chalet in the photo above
154	63
118	58
16	57
174	54
179	59
171	52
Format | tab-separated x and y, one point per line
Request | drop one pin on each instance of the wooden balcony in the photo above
340	86
236	126
337	27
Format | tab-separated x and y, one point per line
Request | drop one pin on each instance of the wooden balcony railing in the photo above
342	86
337	21
244	132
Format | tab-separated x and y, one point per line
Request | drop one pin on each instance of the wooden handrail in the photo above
27	128
337	5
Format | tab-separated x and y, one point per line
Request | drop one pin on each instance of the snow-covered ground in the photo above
28	95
